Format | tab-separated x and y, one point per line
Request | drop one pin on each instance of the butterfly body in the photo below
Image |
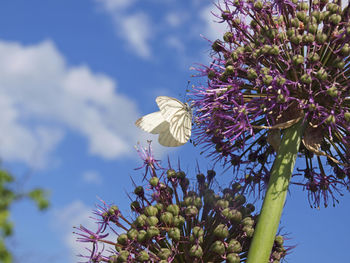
173	122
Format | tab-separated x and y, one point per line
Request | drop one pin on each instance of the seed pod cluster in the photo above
183	224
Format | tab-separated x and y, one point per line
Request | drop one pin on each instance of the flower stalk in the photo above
275	197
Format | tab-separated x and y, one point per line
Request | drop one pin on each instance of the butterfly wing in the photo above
153	123
167	139
181	125
179	116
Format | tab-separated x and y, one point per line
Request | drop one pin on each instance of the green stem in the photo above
281	171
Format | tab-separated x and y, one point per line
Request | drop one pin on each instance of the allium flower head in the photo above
278	63
176	221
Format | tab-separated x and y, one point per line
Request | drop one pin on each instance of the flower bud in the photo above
159	207
132	234
218	247
335	19
347	116
217	46
306	79
196	251
143	256
141	220
152	221
222	203
221	231
234	246
308	38
321	74
167	218
171	174
174	209
345	50
251	74
248	221
279	240
139	191
123	256
330	119
228	36
179	221
295	22
248	230
267	79
198	231
151	211
123	239
154	181
152	231
191	211
239	199
233	258
312	28
258	5
174	233
164	253
314	57
298	59
141	237
321	38
333	92
302	16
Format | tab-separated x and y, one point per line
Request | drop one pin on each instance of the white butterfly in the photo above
173	122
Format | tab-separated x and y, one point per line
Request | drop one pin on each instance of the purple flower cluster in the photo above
175	221
280	62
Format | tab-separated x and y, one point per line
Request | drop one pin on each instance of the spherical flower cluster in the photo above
177	222
280	62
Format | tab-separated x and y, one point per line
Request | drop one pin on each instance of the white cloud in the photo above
135	28
73	215
213	30
174	19
41	97
92	177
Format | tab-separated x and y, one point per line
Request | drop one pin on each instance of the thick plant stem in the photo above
270	215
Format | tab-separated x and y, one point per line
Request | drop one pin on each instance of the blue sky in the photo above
74	76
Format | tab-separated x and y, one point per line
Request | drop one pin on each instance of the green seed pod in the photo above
295	22
330	119
196	251
221	231
174	209
280	80
228	36
340	64
274	50
347	116
171	174
265	49
151	211
316	14
279	240
211	74
152	231
222	203
345	50
143	256
198	231
132	234
164	253
250	207
134	206
141	237
258	5
321	38
234	246
217	46
139	191
314	57
226	14
290	32
248	221
239	199
180	175
152	220
159	207
191	211
298	59
322	74
302	16
306	79
167	218
233	258
335	19
174	233
218	247
229	70
234	55
198	202
251	74
154	181
235	216
123	256
312	28
296	39
179	221
141	220
267	79
249	231
308	38
123	239
333	92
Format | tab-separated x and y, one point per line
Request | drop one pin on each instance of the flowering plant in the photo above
175	221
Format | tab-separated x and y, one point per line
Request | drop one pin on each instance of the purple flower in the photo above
279	62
